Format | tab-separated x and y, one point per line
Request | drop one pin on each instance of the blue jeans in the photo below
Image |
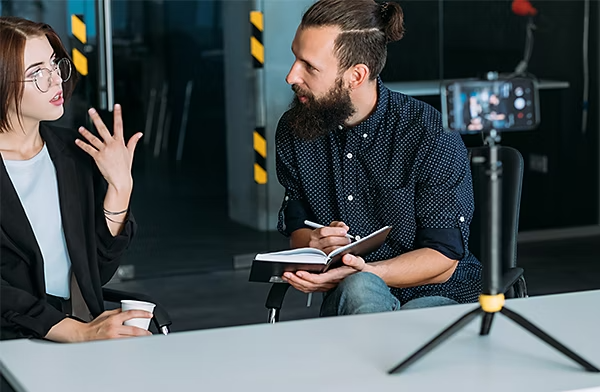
365	292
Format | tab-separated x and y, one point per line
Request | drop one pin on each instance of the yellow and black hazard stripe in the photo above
260	156
257	48
79	32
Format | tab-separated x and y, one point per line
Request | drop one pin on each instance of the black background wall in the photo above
457	39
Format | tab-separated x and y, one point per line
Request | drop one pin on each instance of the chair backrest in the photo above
512	180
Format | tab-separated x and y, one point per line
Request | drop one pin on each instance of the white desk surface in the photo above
350	353
432	87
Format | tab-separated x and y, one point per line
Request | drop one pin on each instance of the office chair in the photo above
160	318
512	180
514	284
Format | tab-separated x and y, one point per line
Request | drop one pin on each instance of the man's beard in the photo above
317	117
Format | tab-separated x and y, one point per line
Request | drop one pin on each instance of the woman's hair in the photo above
14	33
366	28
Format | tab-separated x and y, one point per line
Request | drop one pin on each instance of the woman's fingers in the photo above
99	124
118	122
87	148
132	143
90	137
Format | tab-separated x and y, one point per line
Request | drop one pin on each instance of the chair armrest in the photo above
511	277
161	317
276	295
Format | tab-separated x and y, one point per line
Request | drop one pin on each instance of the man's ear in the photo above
357	75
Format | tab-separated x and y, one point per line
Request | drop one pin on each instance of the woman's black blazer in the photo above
94	252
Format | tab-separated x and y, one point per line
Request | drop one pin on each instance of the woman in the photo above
64	205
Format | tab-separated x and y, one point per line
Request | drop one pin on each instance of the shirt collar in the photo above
374	119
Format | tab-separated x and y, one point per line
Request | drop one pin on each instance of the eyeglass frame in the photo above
52	71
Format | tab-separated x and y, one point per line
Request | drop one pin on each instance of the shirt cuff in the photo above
294	216
448	242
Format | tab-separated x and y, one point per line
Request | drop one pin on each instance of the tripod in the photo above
492	301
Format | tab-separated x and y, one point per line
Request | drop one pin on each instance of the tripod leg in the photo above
486	323
445	334
548	339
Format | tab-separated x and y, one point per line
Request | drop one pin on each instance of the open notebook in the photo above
269	267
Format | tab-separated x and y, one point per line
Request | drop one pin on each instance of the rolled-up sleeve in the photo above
444	197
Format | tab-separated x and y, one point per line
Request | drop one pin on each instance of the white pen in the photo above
318	226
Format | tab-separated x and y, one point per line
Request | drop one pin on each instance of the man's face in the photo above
322	99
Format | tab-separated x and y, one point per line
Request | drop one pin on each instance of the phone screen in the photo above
472	106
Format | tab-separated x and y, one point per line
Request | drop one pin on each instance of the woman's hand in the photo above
109	325
112	156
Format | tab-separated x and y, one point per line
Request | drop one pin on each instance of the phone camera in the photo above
519	91
519	103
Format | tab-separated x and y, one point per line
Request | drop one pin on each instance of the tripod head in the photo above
500	104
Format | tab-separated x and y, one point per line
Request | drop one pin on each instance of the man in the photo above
496	116
356	156
472	114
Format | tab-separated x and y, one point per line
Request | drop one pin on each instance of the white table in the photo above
335	354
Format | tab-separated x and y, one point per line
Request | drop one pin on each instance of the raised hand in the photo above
112	156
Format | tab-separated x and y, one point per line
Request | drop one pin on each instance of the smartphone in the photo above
472	106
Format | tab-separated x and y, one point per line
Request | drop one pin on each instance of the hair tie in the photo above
384	10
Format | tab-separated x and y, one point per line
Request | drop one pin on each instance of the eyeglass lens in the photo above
43	78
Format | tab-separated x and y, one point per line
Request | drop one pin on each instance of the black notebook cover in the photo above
272	270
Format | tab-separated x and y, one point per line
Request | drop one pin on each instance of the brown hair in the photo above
366	28
14	33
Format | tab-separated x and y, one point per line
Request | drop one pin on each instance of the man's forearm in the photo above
415	268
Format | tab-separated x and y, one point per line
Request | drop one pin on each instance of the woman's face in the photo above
36	105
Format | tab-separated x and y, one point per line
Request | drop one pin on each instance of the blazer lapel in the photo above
70	200
14	222
71	182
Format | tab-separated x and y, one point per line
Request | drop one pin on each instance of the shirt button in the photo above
340	127
349	155
365	135
462	219
350	197
287	198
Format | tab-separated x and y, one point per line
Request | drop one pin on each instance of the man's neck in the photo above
365	101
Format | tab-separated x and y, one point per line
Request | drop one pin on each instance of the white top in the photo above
35	182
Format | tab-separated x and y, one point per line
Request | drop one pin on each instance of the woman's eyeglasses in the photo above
43	77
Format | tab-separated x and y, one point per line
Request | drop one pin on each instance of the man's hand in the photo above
309	283
329	238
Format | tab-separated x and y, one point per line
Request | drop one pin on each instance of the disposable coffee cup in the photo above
143	323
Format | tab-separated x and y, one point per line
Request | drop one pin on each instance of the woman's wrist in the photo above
122	187
68	330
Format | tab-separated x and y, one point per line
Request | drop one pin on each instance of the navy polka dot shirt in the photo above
398	167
